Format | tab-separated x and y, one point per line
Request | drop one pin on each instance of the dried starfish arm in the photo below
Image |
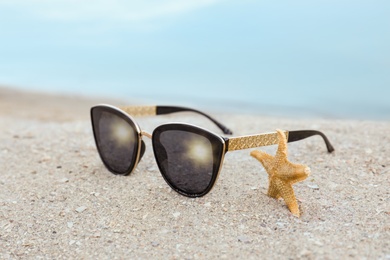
293	172
282	147
273	190
265	159
288	195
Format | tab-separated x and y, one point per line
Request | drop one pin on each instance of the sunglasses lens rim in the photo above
218	144
136	154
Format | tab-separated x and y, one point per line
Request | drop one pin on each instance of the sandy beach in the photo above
57	201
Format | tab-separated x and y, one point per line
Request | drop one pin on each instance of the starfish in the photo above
282	174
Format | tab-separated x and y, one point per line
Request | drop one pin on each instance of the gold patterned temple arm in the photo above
253	141
163	110
140	110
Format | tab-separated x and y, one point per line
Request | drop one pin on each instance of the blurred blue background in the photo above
323	58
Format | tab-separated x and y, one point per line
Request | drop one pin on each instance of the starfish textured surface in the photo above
282	174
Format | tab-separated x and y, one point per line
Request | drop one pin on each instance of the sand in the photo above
58	201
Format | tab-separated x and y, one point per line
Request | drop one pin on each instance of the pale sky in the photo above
313	51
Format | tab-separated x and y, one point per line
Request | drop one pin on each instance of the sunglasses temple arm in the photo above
163	110
297	135
253	141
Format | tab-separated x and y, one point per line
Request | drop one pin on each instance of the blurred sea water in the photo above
331	103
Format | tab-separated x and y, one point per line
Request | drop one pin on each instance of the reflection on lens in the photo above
116	139
199	151
120	132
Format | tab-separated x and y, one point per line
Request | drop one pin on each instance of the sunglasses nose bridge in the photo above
143	133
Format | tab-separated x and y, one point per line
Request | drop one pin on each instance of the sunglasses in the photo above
188	157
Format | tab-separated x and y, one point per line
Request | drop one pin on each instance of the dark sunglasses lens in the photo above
116	139
188	160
